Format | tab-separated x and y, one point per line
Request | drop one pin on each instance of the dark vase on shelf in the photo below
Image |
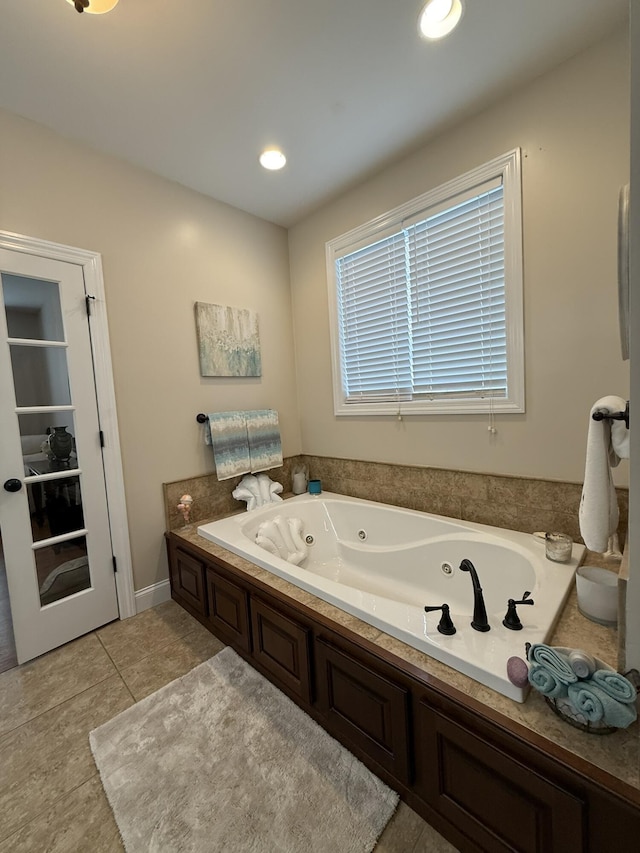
61	444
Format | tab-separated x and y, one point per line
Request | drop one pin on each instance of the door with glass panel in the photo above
55	542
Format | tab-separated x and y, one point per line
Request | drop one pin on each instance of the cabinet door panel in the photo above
491	796
229	610
282	646
187	580
364	706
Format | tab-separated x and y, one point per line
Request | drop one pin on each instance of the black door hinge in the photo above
88	300
101	434
115	565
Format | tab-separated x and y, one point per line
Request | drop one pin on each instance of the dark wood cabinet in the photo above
187	580
364	707
490	794
282	646
483	781
228	610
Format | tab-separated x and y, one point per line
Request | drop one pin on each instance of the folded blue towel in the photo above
556	662
546	682
615	685
596	705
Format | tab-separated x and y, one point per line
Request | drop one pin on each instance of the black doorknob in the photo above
12	485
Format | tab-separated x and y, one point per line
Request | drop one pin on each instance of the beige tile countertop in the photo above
617	753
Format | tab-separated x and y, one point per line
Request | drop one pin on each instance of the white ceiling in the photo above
194	90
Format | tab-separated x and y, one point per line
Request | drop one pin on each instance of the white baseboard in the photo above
148	597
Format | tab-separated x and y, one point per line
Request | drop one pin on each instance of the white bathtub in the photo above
384	564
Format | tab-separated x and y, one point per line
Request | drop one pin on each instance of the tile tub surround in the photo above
212	497
515	503
617	754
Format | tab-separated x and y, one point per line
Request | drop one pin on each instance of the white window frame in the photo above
507	168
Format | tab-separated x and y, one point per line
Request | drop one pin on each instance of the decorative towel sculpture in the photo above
257	490
283	538
244	442
607	443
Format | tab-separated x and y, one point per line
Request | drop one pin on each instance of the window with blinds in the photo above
427	301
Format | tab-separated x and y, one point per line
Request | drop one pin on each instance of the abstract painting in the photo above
228	341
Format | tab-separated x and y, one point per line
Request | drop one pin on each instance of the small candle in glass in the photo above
558	547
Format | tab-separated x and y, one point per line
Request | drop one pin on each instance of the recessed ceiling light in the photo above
93	7
439	17
273	159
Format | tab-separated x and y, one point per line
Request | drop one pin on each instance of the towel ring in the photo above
618	416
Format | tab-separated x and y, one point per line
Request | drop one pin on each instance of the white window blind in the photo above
421	313
374	320
456	281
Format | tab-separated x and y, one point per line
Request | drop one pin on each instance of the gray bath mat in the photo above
221	760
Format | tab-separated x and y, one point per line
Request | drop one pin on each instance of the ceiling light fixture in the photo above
272	159
439	17
94	7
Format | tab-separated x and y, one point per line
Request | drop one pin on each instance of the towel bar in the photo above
202	419
600	416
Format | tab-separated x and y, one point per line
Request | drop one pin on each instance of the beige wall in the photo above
573	128
163	247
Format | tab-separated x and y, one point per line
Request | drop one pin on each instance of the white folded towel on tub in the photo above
283	537
607	443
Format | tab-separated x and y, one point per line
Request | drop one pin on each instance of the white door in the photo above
54	521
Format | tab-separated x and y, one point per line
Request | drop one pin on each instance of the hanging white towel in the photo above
619	438
599	504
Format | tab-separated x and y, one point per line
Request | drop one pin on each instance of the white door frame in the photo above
91	264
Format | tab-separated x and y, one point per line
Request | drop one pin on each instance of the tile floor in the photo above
51	798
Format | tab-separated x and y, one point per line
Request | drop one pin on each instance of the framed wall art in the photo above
228	340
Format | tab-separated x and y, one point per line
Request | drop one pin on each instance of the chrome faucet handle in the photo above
445	625
511	619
